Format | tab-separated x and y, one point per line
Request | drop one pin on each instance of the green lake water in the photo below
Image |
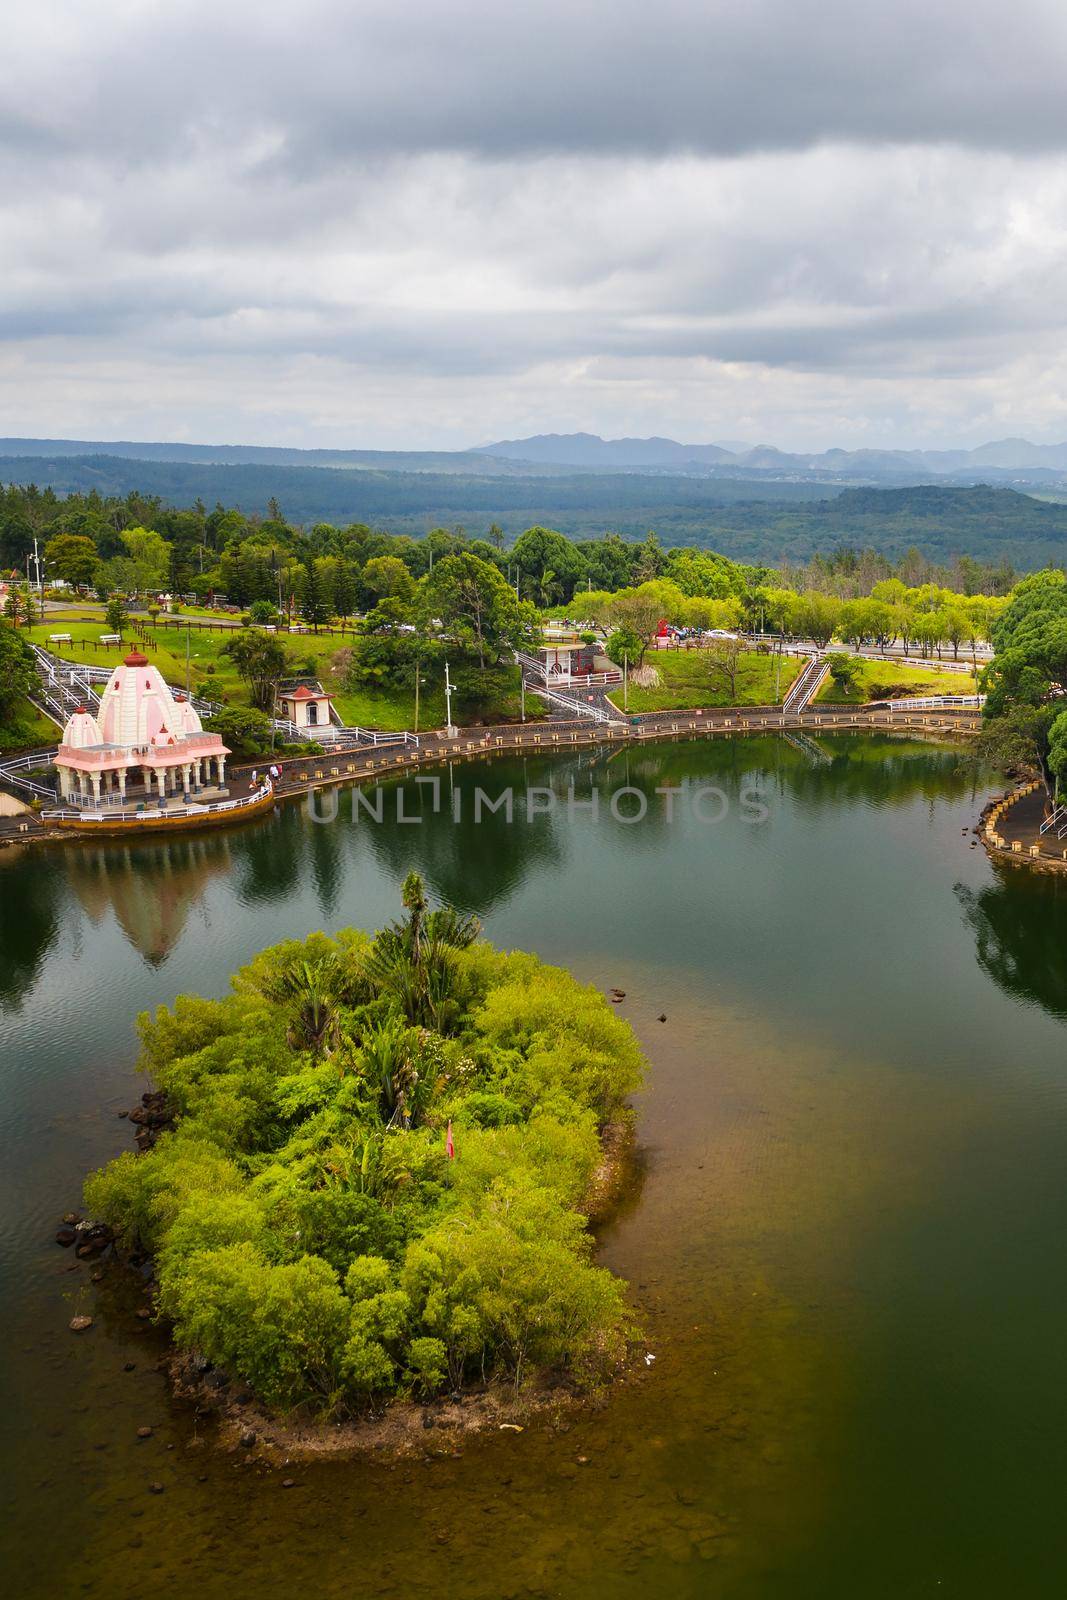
845	1239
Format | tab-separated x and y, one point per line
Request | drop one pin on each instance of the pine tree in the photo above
313	607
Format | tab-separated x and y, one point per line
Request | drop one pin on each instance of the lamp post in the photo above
625	681
449	729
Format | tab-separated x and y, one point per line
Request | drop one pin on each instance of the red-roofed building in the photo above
305	707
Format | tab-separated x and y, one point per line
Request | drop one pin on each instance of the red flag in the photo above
449	1146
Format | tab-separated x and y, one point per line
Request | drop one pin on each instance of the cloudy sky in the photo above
431	224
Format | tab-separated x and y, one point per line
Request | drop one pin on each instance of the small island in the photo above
371	1173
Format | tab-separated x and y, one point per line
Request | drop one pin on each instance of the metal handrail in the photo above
210	807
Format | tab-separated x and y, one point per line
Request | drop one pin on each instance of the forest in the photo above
766	523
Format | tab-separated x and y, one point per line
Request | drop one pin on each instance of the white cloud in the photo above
382	226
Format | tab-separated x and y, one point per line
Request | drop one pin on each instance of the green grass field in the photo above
211	674
685	684
892	680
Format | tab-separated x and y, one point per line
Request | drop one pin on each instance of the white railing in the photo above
802	690
208	808
936	702
571	703
12	771
1057	820
552	676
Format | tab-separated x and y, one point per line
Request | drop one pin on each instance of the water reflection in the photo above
1019	923
29	923
153	889
150	890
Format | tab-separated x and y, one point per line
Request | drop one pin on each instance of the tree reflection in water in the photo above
1020	926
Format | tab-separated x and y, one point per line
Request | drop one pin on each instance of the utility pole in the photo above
188	650
625	681
416	727
37	567
449	729
522	692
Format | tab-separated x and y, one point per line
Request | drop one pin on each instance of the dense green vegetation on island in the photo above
310	1231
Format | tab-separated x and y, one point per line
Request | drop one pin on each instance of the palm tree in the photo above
413	961
315	1024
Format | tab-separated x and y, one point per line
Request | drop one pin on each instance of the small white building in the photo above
304	707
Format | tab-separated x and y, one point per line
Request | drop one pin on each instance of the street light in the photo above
449	729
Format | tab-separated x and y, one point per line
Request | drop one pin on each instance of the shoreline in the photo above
301	776
401	1427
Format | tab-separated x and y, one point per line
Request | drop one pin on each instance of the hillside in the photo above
991	524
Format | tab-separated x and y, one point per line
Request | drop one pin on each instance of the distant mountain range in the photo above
1015	462
997	503
588	450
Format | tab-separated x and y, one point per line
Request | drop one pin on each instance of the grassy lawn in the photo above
385	709
685	684
892	680
29	730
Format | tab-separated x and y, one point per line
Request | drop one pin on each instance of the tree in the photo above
641	610
245	731
143	565
623	647
843	672
18	673
551	567
72	557
721	661
1027	678
314	607
387	578
345	590
262	663
478	608
1057	751
816	616
115	615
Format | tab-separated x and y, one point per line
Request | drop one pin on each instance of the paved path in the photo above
301	774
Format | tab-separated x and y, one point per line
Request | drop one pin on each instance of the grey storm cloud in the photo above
361	222
333	79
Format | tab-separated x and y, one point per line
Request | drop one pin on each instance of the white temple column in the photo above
161	781
94	779
122	784
220	763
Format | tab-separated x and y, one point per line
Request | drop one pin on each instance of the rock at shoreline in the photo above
80	1324
66	1237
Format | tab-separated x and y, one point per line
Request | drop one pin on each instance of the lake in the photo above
844	1238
